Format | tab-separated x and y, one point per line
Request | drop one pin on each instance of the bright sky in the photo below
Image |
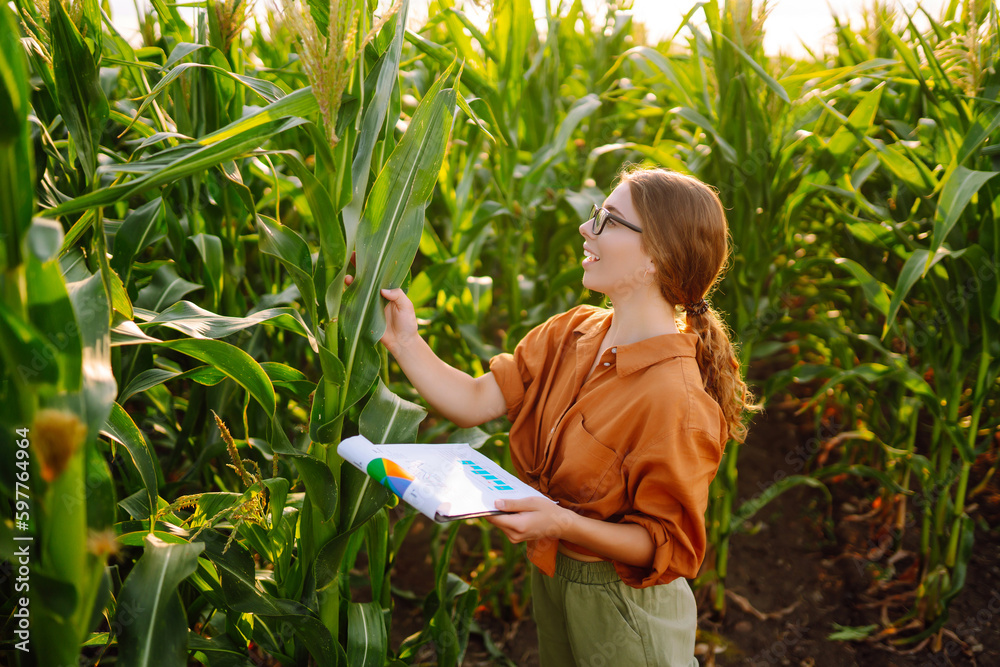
790	23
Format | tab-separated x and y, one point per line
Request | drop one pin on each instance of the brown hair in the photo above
686	236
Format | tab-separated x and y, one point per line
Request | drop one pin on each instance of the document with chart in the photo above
444	482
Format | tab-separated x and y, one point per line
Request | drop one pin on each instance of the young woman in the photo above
620	416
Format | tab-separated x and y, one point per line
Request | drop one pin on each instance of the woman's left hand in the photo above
531	519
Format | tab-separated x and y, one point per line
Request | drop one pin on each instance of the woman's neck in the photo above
640	318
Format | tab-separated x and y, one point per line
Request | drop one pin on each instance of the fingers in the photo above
394	294
348	280
509	525
519	504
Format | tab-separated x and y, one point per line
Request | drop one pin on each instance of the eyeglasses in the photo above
600	216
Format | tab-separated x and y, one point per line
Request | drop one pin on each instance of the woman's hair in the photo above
686	235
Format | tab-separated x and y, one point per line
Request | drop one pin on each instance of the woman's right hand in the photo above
400	321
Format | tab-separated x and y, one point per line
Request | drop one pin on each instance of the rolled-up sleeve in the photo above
512	375
667	483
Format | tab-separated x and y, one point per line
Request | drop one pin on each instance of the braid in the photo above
720	370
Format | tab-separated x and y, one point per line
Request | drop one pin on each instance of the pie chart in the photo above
390	475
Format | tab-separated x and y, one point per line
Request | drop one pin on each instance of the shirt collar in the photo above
636	356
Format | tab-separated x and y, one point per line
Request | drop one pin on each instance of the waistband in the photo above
582	572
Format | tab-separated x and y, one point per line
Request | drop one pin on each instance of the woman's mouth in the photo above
589	257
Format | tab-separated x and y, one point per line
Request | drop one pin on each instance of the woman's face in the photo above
613	262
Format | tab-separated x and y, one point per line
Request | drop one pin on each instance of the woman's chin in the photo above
592	285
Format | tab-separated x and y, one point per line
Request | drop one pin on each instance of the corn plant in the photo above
920	208
184	189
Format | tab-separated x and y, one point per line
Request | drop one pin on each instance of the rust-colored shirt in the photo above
639	441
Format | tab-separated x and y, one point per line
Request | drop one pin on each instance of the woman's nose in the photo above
587	229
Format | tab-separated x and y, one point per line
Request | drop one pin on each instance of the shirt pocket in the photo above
586	469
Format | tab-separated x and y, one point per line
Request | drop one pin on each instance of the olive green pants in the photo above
587	617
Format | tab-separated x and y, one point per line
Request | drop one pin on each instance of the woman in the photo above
621	416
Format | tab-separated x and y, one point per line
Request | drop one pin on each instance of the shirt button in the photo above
607	363
614	350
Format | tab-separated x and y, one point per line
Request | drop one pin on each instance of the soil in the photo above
807	568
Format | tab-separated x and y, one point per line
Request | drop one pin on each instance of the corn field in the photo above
181	355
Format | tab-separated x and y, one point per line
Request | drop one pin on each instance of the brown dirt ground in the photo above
791	580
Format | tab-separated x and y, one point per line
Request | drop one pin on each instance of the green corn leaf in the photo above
197	322
768	80
93	317
868	373
214	504
243	595
16	154
125	332
123	430
861	470
390	233
331	233
477	82
387	418
155	632
913	174
293	252
749	508
513	28
377	548
851	633
967	531
134	534
142	227
660	62
874	291
120	303
236	139
209	247
982	128
101	504
234	362
321	486
269	92
693	116
28	353
51	313
165	289
289	378
846	138
277	495
959	188
580	110
44	238
220	651
373	119
82	101
206	375
323	423
916	266
367	641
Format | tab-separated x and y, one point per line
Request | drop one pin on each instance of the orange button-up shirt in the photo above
638	441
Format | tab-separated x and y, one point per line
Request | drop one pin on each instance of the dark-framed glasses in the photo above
599	217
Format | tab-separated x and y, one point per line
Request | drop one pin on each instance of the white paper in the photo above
449	481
